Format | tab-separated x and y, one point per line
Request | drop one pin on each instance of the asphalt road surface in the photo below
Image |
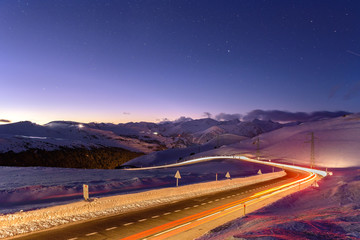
129	225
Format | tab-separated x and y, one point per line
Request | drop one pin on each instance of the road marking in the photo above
186	208
177	210
156	216
195	205
142	220
210	201
217	200
228	197
233	195
90	234
73	238
203	203
171	229
112	228
127	224
167	213
207	216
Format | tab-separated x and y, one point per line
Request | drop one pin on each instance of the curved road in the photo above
168	221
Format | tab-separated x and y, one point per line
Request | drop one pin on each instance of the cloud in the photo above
227	117
182	119
178	120
5	121
285	116
207	114
126	113
163	120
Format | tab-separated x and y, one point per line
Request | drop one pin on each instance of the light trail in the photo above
175	227
203	159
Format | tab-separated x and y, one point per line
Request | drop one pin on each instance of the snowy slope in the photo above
21	136
182	154
336	144
329	212
34	187
140	137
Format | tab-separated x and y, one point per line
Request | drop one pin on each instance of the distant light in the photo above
155	133
80	126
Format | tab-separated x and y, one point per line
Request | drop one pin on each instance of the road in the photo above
168	221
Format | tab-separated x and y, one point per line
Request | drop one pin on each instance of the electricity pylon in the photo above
312	151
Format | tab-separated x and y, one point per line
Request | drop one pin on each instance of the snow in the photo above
36	187
336	144
22	222
329	212
21	136
332	210
140	137
183	154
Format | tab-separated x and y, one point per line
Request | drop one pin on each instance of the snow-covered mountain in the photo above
174	155
21	136
336	143
137	137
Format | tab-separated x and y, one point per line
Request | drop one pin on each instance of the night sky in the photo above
120	61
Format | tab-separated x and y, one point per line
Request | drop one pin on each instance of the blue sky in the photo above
120	61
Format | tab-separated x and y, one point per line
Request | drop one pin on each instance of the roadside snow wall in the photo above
25	222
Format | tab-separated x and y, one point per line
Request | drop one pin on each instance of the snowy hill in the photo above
139	137
328	212
336	143
182	154
22	136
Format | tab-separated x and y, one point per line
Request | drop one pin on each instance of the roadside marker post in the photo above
86	192
228	175
177	176
216	177
244	210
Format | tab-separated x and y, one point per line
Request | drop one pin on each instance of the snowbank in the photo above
329	212
23	222
29	188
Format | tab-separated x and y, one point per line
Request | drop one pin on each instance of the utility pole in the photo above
312	151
